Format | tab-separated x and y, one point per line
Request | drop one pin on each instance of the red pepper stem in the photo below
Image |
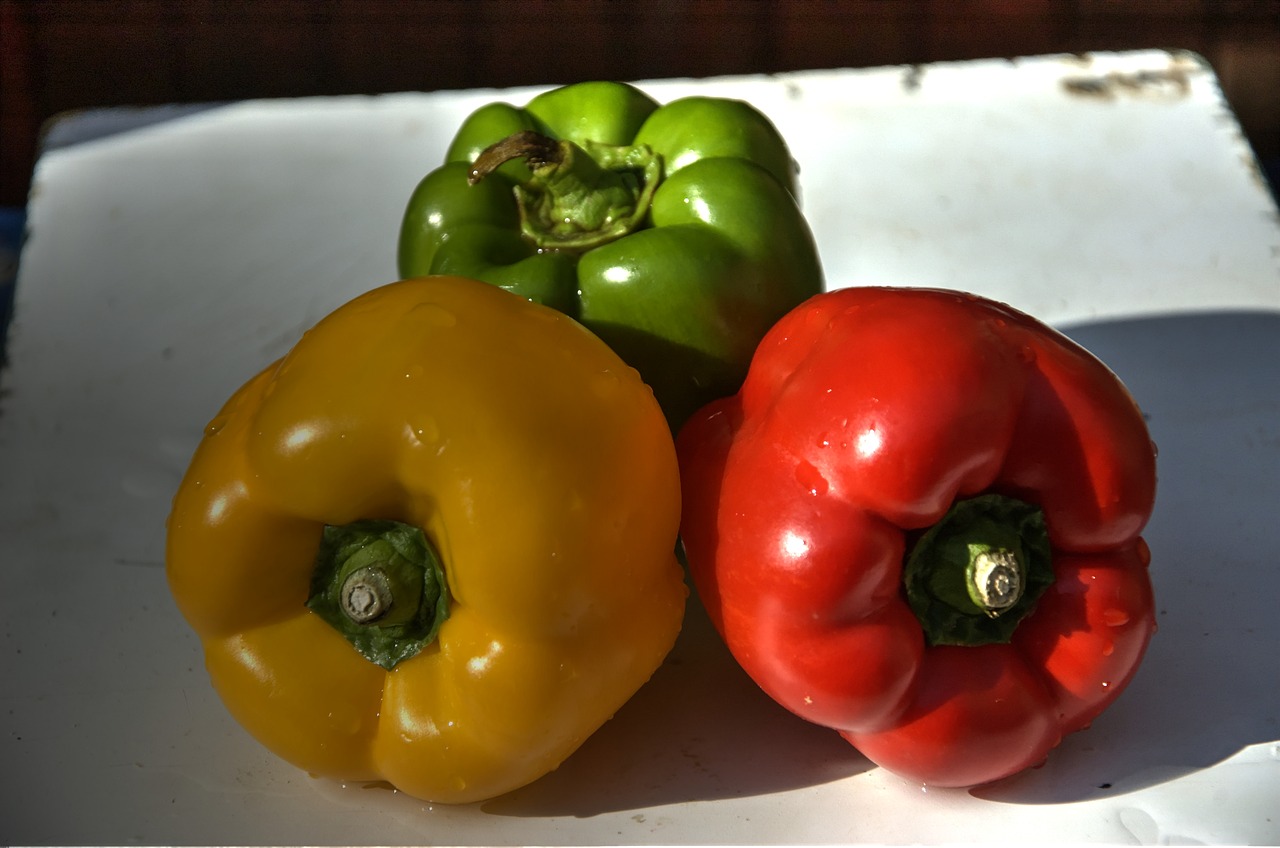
994	580
976	574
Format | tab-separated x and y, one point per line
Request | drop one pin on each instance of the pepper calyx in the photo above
579	197
975	575
382	586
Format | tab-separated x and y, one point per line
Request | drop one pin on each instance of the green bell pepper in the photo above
670	231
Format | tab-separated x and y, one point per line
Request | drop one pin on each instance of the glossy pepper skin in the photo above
537	466
871	416
699	247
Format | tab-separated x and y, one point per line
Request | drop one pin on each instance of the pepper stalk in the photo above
976	574
579	197
382	586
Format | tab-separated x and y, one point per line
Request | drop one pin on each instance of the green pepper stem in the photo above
579	197
976	574
535	148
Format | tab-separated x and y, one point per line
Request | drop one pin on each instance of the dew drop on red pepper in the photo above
811	478
1115	617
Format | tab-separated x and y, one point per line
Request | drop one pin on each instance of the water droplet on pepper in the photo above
605	384
424	430
1115	617
434	315
811	478
1144	552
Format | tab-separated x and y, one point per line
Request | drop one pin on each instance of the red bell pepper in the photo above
919	523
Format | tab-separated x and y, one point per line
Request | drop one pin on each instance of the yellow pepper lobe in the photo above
536	465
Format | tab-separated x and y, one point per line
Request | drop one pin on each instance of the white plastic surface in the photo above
1111	195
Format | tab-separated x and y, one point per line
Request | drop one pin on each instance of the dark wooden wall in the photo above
59	55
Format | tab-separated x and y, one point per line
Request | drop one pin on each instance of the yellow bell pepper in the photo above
434	544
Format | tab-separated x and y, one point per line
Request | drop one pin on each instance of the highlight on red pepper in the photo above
919	523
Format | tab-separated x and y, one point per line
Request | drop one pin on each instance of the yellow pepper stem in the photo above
382	586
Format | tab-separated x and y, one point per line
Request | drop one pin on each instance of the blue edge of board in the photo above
13	226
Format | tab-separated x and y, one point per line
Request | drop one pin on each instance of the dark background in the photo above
61	55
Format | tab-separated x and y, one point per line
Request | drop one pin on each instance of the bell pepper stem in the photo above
579	197
383	595
994	581
382	586
976	574
535	148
